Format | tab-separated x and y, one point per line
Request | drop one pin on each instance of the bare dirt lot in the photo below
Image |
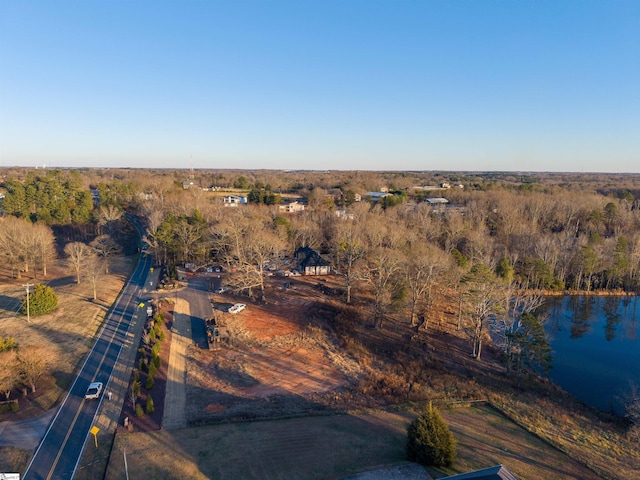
277	363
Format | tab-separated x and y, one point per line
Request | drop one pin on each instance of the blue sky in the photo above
525	85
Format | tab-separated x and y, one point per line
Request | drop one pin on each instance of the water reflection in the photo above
596	347
612	316
582	308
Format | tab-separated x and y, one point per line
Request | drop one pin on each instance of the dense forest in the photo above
498	235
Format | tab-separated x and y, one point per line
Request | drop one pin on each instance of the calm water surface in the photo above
596	347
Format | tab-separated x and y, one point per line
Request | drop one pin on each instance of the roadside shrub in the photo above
429	440
159	318
142	364
7	343
155	350
139	412
160	334
42	300
156	361
135	385
150	382
152	369
11	406
149	406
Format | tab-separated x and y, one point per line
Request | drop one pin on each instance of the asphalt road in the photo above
200	306
59	451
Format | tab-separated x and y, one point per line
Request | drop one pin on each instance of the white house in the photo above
291	207
234	200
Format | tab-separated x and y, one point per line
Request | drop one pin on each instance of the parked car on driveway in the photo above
220	290
238	307
94	391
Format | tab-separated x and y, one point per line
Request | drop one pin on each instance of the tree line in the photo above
491	243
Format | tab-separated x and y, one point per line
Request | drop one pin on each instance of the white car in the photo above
220	290
238	307
94	391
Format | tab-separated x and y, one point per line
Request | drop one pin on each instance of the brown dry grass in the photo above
332	447
14	459
486	438
69	332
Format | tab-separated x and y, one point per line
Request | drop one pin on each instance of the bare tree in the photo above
33	363
133	394
517	302
188	236
156	247
379	271
259	251
306	231
94	270
9	373
485	298
422	267
44	245
14	235
78	255
108	217
349	249
105	247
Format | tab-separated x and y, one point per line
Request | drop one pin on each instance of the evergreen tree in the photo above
41	300
530	348
149	406
429	440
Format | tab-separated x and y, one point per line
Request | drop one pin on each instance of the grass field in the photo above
68	332
331	447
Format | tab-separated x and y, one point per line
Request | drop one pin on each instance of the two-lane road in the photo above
59	451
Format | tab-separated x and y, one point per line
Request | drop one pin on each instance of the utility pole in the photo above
27	285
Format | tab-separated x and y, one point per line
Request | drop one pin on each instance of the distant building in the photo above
437	201
234	200
291	207
309	262
375	196
345	215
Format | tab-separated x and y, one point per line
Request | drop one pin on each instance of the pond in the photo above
596	347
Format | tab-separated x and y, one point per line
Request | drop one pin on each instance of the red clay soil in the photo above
150	422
